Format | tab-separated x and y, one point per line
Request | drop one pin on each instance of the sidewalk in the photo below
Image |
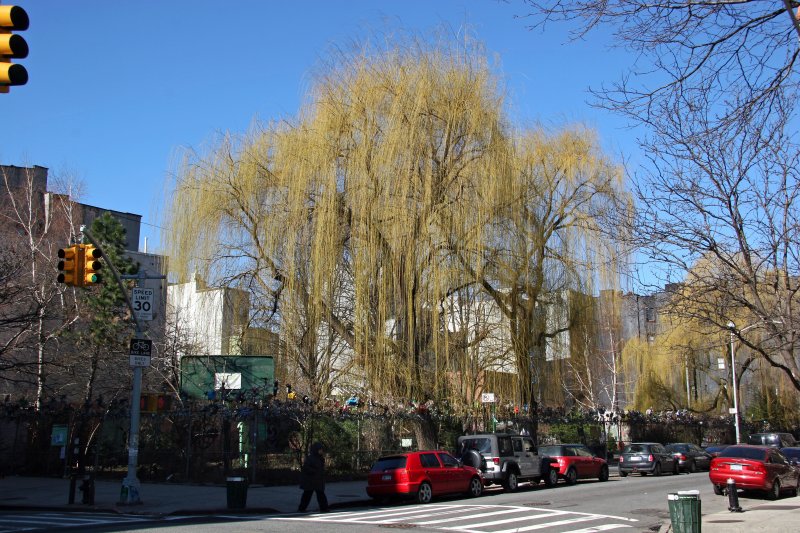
160	499
163	499
769	517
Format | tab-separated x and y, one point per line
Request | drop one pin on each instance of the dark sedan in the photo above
691	457
761	468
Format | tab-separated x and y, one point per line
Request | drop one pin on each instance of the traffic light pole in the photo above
130	492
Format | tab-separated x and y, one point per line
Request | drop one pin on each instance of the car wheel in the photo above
692	467
571	476
775	491
475	487
603	473
425	493
511	484
717	490
551	479
657	470
623	474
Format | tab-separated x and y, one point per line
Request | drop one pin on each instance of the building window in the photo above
650	314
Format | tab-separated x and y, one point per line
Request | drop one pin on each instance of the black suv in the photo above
776	440
507	459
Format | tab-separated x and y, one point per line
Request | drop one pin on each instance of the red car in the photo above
422	475
754	468
576	461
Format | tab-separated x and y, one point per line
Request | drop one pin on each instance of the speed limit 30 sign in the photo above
142	300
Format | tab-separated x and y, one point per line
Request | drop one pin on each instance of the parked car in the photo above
761	468
690	456
776	440
422	475
715	449
576	461
791	453
507	459
646	458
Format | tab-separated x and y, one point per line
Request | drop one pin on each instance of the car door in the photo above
456	476
525	456
785	472
702	458
434	472
666	457
588	464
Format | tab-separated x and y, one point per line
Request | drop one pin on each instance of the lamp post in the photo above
733	330
732	327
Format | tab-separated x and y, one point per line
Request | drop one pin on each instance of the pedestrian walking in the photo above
312	479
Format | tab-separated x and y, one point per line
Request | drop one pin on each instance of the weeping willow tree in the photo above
398	193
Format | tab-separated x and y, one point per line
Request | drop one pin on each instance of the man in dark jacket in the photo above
312	479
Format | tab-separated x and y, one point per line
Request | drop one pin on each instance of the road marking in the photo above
473	518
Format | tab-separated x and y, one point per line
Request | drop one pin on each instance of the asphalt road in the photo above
630	504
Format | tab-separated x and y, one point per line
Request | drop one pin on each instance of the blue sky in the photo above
118	89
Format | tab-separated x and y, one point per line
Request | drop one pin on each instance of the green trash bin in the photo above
237	492
684	511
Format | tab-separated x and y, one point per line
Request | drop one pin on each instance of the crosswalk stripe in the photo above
602	527
551	524
483	515
469	527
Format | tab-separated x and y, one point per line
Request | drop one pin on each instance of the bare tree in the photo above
717	88
35	229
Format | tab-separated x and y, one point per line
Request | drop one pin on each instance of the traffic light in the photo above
12	46
91	264
148	403
69	265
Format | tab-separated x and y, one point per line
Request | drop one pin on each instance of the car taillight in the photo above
759	470
496	460
683	457
650	457
621	458
401	475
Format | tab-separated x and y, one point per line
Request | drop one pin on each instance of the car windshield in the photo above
636	448
389	463
482	444
742	452
552	451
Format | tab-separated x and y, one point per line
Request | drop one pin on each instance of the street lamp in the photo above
732	328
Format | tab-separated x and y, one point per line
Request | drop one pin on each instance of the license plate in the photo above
637	458
736	467
386	477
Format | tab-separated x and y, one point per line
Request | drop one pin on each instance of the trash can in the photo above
237	492
684	511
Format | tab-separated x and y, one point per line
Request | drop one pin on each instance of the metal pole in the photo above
129	495
735	394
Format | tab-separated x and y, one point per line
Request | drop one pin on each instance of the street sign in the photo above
140	352
142	300
487	397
